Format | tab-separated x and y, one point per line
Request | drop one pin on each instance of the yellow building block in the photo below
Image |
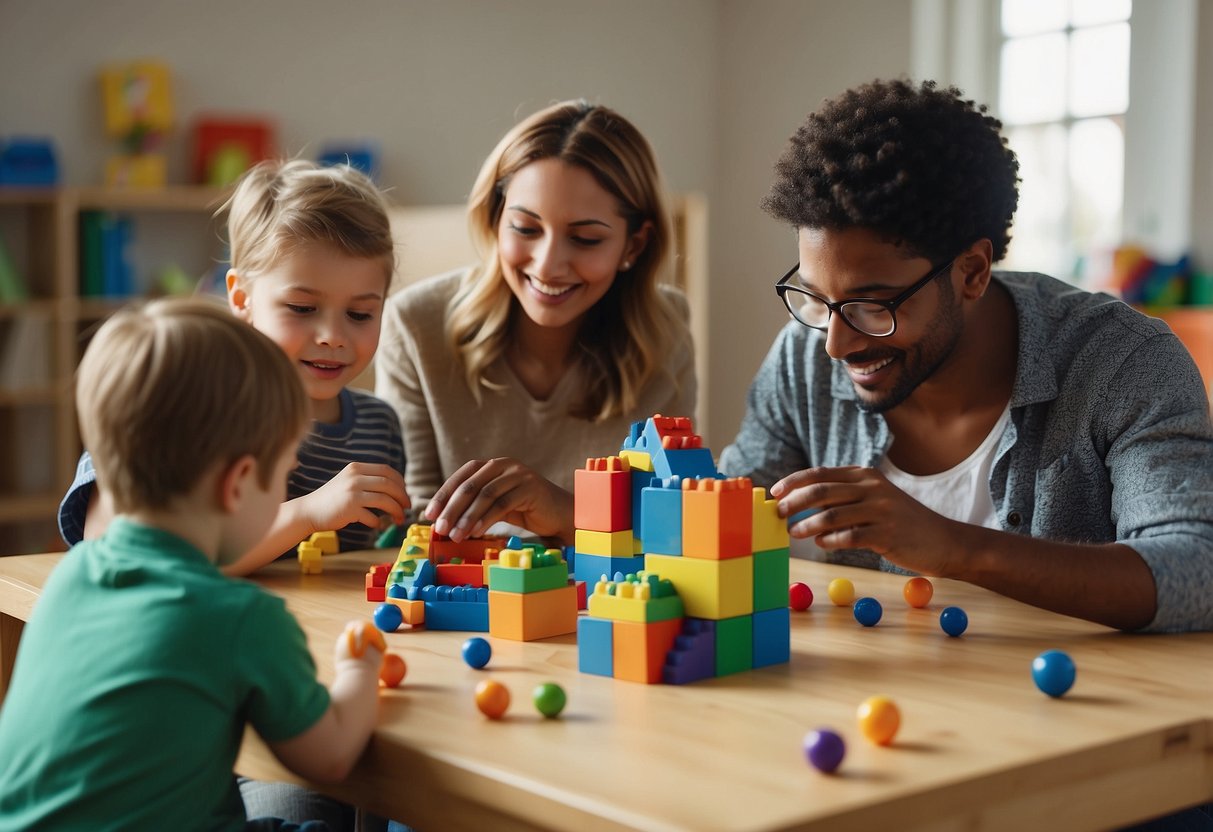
709	588
605	544
638	460
770	530
136	170
326	542
649	598
527	616
309	558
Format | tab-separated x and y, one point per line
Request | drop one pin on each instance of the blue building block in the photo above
688	462
772	637
596	646
693	656
454	607
640	479
28	161
661	513
592	567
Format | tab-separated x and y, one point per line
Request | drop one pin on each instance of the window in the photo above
1063	94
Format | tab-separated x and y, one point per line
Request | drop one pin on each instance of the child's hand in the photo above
360	641
483	492
350	496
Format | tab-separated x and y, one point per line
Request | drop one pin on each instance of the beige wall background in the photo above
716	85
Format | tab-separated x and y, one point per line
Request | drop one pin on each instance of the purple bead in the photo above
824	749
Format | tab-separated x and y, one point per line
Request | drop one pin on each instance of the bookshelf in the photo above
43	335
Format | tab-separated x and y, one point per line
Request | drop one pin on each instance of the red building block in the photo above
472	550
602	495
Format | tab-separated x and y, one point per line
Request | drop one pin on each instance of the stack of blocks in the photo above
719	543
530	594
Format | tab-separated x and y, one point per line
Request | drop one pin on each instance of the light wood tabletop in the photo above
980	748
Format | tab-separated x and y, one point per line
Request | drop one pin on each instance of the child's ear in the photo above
237	298
235	480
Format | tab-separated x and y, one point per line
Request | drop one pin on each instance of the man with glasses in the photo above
924	414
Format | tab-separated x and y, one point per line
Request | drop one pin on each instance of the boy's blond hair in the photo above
280	206
168	391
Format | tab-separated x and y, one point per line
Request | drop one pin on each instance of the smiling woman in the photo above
544	352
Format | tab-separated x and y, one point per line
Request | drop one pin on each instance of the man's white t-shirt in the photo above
960	493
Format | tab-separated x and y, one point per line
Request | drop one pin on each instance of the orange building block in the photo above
602	495
412	611
527	616
639	649
717	518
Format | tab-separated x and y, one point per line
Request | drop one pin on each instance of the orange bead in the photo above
879	719
918	592
392	671
492	698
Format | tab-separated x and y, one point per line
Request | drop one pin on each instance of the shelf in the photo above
171	198
28	196
32	396
16	310
27	507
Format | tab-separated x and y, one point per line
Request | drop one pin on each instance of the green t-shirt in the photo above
136	675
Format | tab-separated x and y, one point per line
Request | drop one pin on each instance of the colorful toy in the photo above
549	699
388	617
477	652
867	611
824	750
360	635
1053	671
918	592
363	156
311	550
492	698
800	596
879	719
138	112
530	595
225	148
954	621
704	600
841	592
28	160
393	670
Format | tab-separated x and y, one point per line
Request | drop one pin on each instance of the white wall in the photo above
716	85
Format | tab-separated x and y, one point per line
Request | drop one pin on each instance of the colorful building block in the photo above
640	649
709	588
771	578
527	616
309	558
472	550
413	612
639	461
521	571
326	542
595	646
580	586
454	608
693	656
772	637
770	531
643	597
717	518
661	516
602	495
592	567
605	544
677	451
459	574
734	645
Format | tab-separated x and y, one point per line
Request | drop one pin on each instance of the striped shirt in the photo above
369	431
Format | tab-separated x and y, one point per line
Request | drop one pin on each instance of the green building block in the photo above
734	645
771	579
536	579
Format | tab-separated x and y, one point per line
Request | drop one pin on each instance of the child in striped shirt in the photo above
311	261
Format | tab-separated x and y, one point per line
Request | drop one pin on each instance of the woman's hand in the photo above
482	493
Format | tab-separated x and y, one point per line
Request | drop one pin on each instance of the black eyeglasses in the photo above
867	316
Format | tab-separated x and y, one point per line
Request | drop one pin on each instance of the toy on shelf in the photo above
701	588
28	161
363	156
138	112
224	148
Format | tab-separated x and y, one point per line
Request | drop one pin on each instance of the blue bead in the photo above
867	611
954	621
388	617
477	652
1053	672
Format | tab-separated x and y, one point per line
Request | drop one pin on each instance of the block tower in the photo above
714	549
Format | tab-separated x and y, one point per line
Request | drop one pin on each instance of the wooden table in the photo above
980	748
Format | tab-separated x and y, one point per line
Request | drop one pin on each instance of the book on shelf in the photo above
12	287
105	263
25	351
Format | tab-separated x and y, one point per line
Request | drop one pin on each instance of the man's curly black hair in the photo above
921	166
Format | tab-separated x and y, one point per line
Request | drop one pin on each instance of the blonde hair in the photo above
624	336
280	206
168	390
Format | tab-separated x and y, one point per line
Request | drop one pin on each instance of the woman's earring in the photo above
625	265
